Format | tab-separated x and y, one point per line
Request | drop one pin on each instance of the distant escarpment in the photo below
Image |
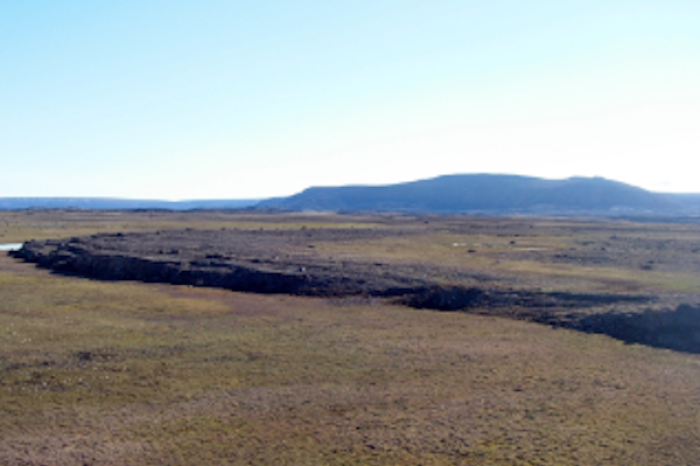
486	193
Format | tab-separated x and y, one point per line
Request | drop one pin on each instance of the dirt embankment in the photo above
286	261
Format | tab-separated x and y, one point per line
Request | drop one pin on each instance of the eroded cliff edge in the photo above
288	261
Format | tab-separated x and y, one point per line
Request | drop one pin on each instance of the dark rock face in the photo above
287	261
540	304
260	262
678	329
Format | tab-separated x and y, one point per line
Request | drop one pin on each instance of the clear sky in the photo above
170	99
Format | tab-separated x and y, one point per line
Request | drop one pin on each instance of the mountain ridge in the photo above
491	193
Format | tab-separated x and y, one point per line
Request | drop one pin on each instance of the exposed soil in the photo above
287	261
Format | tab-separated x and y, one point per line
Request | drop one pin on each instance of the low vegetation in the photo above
126	373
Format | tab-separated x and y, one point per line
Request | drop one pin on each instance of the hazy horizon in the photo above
255	200
181	101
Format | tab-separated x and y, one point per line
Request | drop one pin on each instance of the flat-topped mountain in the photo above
489	194
474	193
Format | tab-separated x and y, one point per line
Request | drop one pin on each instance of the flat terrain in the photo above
120	372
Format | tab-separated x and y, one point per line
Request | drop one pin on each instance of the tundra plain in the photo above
105	372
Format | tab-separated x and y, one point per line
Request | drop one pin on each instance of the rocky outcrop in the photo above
230	274
260	262
677	329
287	262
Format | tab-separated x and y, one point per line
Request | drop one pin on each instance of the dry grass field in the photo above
126	373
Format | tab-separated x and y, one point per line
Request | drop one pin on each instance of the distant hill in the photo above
476	194
496	194
14	203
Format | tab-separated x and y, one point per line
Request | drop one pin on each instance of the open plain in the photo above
349	361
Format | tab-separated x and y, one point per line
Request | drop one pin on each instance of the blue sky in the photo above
232	99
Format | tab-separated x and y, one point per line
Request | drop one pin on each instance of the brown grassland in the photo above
126	373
